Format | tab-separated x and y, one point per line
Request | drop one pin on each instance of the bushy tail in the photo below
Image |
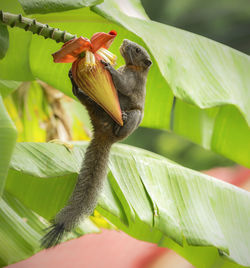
85	195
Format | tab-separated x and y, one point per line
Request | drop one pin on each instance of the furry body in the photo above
130	83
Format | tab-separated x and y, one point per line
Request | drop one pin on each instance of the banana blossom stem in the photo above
14	20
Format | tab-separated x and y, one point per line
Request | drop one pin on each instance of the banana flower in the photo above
89	73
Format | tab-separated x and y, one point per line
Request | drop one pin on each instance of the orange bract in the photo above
72	49
99	40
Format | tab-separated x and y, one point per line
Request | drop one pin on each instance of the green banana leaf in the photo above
148	196
8	135
41	113
29	111
21	230
8	86
210	81
48	6
4	40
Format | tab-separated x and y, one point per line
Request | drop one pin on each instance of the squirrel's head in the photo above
134	54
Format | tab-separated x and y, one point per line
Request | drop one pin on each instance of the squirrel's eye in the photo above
138	50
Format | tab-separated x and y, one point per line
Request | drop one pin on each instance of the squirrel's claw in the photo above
124	117
71	78
70	74
117	127
74	86
106	64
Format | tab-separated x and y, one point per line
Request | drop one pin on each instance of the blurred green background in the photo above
225	21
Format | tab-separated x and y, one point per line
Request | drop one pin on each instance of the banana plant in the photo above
197	88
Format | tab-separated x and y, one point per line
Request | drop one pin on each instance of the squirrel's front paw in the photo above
70	74
106	65
124	117
75	88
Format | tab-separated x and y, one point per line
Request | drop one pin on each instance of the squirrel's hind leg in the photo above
131	120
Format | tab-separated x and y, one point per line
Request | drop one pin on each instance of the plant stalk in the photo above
35	27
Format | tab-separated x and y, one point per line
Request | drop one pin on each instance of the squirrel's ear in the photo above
147	62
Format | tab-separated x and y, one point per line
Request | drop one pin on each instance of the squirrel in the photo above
130	83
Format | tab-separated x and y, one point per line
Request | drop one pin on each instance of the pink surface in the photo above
110	249
236	175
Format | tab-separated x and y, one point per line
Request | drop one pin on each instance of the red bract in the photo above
89	74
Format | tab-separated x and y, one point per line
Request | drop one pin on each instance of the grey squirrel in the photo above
130	83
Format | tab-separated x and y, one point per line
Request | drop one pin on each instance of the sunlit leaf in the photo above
147	196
